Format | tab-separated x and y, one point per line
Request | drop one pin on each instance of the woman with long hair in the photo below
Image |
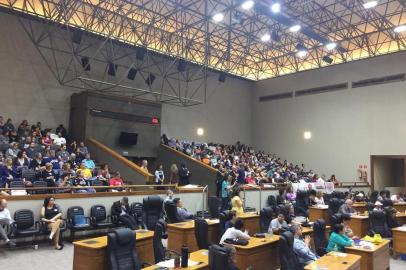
51	214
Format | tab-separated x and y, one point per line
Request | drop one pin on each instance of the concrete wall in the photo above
347	126
388	174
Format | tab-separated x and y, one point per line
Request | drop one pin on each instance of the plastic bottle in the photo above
185	256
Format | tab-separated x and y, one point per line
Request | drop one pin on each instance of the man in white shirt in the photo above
277	223
5	219
59	140
396	198
235	232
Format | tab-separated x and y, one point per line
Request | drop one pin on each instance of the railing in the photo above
190	158
125	161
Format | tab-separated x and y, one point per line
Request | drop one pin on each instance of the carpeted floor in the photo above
45	257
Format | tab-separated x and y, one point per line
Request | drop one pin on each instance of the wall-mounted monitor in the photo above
127	138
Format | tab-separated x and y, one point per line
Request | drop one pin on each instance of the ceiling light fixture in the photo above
276	8
247	5
302	53
400	28
295	28
331	46
370	4
218	17
266	37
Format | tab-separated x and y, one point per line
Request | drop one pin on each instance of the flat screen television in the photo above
127	138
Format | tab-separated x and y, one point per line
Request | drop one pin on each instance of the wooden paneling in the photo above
251	222
399	240
359	225
316	213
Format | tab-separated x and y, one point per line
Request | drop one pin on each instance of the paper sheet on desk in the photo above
190	186
171	263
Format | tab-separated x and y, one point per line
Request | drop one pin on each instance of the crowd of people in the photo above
30	153
244	164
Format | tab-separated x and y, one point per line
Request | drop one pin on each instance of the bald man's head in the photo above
348	202
3	203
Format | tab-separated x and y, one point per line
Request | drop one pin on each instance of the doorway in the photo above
388	172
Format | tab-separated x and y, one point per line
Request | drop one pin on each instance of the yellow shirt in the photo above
235	201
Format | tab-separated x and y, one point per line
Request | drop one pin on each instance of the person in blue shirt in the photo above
225	188
88	162
241	175
338	240
182	212
301	246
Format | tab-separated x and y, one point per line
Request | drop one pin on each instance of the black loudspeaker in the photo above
182	65
140	53
112	69
150	79
327	59
222	77
131	74
85	63
275	36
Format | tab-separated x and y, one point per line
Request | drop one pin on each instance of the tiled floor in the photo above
45	257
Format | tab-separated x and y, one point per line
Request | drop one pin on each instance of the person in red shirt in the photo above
116	181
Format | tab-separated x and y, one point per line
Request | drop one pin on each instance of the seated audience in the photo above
347	230
397	198
5	219
46	140
122	210
236	202
382	195
230	223
13	150
63	154
59	140
301	247
48	175
393	221
277	223
235	232
61	130
347	208
159	175
51	214
38	163
82	149
88	162
7	173
182	212
103	173
290	195
319	198
338	240
116	181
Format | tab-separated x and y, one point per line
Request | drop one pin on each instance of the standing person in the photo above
159	175
225	189
5	219
302	247
122	210
144	165
51	214
184	175
236	202
173	178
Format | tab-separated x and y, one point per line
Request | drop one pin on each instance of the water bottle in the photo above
185	256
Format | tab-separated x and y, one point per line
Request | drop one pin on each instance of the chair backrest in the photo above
214	206
152	209
302	199
319	234
218	257
73	211
121	251
136	208
40	184
202	233
378	223
387	202
336	219
29	174
333	206
265	218
16	184
279	200
24	219
223	218
159	234
98	212
287	257
271	200
172	212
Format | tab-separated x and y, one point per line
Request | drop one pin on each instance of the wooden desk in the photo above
359	225
376	258
341	261
399	240
251	222
316	213
260	253
197	256
183	233
90	254
360	207
401	217
401	207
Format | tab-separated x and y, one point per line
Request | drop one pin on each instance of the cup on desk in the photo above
176	263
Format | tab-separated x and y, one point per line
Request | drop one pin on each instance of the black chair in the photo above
99	218
265	218
320	239
387	202
218	257
334	206
172	212
136	208
160	233
378	224
302	203
72	225
202	233
223	218
152	209
287	256
24	224
279	200
271	201
390	220
214	206
370	206
121	251
40	184
17	184
29	175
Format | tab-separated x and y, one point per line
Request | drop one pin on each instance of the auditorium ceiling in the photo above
254	40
